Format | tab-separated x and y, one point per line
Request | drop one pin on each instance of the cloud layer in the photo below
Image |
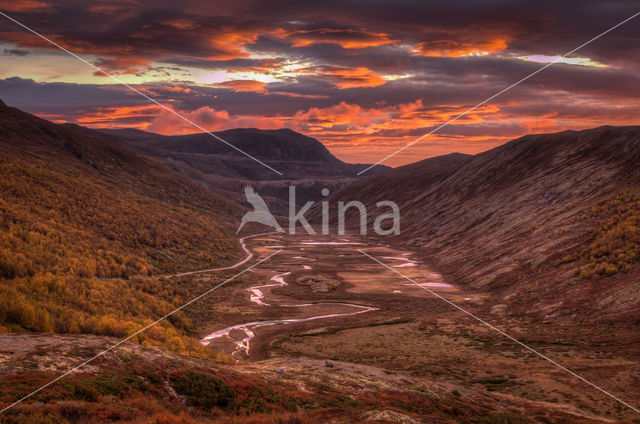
364	77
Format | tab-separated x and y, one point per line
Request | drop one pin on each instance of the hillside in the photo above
405	183
147	385
543	210
79	217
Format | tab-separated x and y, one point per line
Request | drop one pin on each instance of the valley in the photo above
344	339
104	235
373	317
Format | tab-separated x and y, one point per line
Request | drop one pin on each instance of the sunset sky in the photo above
363	77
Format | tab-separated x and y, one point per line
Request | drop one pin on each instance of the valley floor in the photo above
343	338
406	328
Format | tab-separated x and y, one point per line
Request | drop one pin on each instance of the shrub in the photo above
203	390
107	386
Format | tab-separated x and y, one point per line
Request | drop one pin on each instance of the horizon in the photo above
364	81
391	166
337	154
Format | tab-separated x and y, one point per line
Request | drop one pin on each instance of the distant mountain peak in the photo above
281	144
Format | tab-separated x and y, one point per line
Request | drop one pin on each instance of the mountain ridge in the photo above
303	161
280	144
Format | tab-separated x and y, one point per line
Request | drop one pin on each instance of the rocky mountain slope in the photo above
528	212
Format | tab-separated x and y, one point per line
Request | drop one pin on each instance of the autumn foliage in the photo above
614	245
78	255
87	230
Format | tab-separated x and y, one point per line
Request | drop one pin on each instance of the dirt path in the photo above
242	242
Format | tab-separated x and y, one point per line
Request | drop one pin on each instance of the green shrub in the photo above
80	391
107	386
203	390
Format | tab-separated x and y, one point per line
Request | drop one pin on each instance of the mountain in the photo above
293	154
530	220
303	161
404	183
281	145
80	217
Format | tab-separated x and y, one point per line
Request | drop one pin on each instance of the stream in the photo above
256	295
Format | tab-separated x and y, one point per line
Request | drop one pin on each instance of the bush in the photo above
203	390
107	386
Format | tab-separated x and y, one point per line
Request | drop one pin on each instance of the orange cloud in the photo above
360	134
304	96
181	24
244	85
405	116
343	77
210	119
455	45
320	119
229	44
118	65
23	5
346	38
172	88
119	116
261	66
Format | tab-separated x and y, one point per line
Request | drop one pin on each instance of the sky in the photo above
363	77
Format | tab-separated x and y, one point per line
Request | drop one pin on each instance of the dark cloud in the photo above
130	33
15	52
63	99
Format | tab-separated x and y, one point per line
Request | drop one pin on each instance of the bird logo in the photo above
260	212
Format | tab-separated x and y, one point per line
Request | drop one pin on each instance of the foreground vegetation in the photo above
142	385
